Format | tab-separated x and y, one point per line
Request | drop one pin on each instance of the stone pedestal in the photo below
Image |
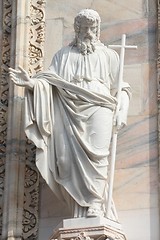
98	228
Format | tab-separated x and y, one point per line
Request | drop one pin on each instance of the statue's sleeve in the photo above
38	111
113	71
114	75
56	62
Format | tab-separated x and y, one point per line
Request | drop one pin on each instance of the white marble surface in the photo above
87	222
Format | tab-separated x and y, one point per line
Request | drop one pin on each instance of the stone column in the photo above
158	82
5	35
15	142
22	28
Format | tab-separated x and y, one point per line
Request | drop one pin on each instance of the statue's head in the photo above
87	30
87	17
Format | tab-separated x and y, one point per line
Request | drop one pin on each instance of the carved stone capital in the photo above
88	230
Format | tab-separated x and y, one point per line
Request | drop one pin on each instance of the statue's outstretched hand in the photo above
21	78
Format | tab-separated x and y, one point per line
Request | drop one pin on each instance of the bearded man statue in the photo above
69	117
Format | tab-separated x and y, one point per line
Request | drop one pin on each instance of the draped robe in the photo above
69	118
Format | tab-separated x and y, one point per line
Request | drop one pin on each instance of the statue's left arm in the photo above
123	111
125	91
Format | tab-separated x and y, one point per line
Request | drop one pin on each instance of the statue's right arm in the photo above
21	78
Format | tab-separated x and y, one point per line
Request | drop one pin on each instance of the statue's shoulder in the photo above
63	50
61	55
110	51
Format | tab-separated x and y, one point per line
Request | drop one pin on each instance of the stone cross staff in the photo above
123	46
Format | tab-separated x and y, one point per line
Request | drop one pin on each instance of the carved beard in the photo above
86	45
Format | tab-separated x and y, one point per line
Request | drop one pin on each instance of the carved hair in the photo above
89	16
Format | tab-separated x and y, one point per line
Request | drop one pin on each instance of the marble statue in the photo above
69	116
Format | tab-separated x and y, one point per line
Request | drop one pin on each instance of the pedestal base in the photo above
98	228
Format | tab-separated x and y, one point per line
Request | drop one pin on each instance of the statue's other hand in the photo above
121	120
21	78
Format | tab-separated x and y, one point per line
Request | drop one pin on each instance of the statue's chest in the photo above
89	66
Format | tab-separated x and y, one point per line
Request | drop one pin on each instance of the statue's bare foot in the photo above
95	211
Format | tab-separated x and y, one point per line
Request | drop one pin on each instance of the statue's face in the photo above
87	31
